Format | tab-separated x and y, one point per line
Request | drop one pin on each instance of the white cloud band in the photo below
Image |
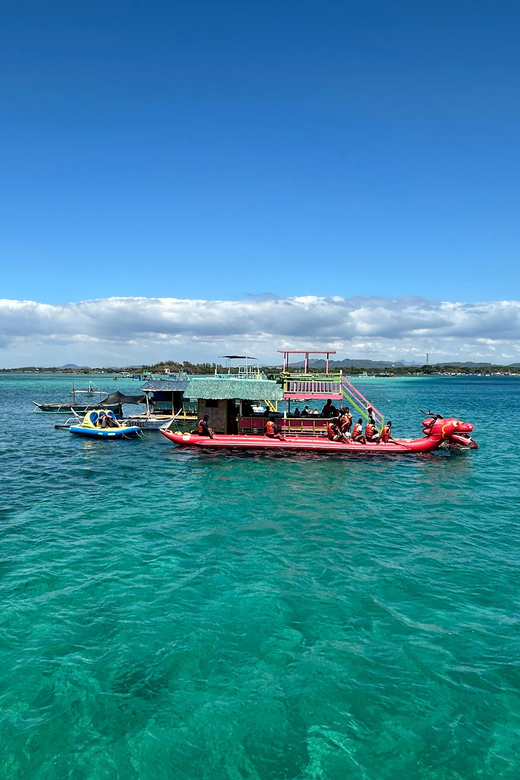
111	330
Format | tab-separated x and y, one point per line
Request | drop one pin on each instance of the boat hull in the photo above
105	433
306	444
72	408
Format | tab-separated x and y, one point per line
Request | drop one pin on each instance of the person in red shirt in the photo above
327	409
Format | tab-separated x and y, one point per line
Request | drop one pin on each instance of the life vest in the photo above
385	433
357	430
201	427
269	428
369	431
331	430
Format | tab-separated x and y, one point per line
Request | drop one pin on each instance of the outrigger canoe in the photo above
91	426
448	433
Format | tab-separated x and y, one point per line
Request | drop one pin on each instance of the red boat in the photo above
448	433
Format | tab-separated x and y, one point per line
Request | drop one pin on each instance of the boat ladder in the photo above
359	402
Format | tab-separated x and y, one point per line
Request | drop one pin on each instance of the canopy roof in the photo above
121	398
228	388
166	385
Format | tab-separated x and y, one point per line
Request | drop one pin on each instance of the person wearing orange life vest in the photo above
345	421
203	428
333	431
343	427
272	431
357	432
386	433
371	433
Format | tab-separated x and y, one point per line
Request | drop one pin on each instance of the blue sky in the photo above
218	149
235	151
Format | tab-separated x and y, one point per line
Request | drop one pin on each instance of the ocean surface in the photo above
174	614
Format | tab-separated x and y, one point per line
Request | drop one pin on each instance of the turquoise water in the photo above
174	614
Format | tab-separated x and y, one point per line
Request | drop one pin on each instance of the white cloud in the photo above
117	331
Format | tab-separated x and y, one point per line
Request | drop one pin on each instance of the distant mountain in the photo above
72	365
348	363
386	364
469	364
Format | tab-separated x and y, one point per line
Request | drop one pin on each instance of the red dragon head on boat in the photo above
450	431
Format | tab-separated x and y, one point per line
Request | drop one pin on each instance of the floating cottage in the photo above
225	397
169	397
228	401
235	394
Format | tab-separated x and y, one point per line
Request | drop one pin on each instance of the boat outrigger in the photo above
81	402
237	426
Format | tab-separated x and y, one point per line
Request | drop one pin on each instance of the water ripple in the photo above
179	614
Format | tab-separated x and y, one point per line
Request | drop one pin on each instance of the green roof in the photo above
244	389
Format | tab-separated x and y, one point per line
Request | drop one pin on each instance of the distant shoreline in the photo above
350	371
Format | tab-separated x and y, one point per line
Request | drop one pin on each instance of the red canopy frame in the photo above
306	352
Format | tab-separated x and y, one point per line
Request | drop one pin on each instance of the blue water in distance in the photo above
174	614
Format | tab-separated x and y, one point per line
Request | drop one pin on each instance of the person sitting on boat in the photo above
333	430
371	433
357	432
345	421
297	413
343	427
203	428
273	431
107	420
386	433
327	409
305	411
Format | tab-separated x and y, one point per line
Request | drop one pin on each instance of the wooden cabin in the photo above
225	399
